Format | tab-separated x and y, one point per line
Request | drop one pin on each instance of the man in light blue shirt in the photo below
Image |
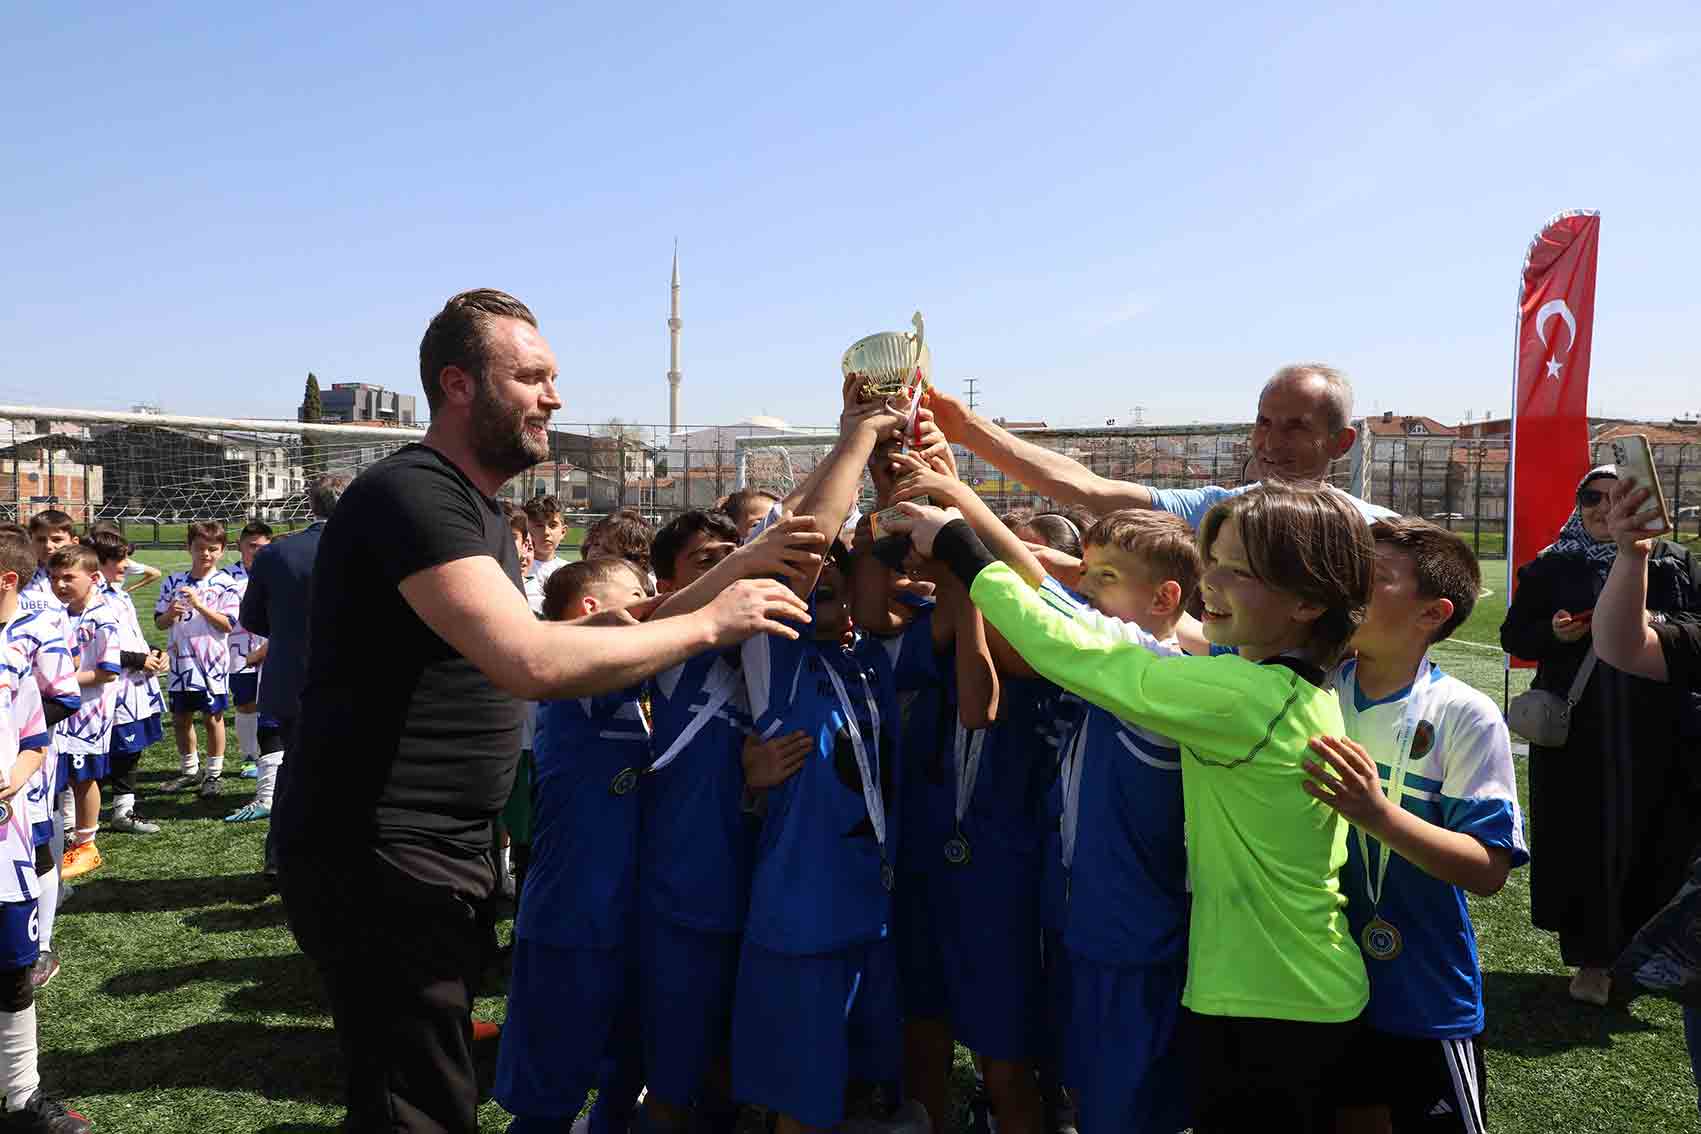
1304	423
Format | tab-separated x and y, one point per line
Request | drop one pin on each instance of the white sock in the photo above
19	1076
248	735
215	765
191	763
67	809
123	805
48	904
86	834
267	784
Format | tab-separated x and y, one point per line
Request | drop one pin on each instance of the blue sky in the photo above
1097	207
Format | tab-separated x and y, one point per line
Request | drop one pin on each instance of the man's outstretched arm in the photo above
1046	472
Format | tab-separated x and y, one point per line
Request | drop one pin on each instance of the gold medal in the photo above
624	782
957	851
1381	941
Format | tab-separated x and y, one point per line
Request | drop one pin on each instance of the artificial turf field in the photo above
184	1006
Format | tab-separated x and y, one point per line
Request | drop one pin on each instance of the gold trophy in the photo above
891	362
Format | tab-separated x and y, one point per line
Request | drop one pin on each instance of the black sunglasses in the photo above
1589	497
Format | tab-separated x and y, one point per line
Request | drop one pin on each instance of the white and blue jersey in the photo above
242	641
587	758
138	694
96	637
41	638
820	882
200	653
22	729
696	847
1191	504
1459	777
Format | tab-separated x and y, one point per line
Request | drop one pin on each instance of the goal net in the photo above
153	473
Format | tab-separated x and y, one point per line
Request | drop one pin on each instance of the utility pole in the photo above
973	472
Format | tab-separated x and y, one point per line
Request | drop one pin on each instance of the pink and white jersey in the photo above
138	694
22	728
95	641
242	642
200	654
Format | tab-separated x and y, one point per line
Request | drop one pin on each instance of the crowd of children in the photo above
1155	869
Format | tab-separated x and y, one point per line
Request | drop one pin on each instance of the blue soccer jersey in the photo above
927	709
587	759
821	882
696	846
1127	875
1458	776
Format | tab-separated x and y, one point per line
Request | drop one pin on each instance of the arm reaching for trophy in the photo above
1047	473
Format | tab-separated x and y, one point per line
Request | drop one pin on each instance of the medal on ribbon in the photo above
968	744
1381	941
623	782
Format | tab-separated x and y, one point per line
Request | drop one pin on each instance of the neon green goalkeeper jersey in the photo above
1269	935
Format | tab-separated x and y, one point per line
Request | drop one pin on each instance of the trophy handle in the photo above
920	333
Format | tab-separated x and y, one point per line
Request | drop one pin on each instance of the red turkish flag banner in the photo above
1550	396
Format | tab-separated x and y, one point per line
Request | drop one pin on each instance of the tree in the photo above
312	410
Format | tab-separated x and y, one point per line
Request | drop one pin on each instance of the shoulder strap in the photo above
1582	678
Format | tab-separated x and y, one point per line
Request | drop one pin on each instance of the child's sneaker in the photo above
79	860
129	823
46	967
43	1115
249	812
210	787
188	780
250	770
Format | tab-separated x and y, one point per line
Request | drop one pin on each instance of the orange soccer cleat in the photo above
79	860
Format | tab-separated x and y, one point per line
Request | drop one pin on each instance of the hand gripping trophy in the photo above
893	365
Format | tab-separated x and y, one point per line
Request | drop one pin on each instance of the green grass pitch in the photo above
184	1006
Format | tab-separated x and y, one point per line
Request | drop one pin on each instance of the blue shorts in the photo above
199	701
1126	1053
921	964
129	739
563	1005
20	934
685	978
804	1026
989	935
75	769
245	687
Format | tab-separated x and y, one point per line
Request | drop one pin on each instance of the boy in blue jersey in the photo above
1425	776
695	845
816	1001
570	1024
96	642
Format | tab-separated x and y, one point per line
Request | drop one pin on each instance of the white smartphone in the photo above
1635	460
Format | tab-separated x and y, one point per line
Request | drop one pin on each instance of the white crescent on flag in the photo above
1548	310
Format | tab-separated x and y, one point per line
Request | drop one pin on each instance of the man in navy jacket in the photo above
275	607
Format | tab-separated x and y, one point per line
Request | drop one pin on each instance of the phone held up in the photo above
1635	460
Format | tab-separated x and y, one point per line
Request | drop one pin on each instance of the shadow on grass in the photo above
225	1055
175	808
1532	1014
149	895
283	984
239	919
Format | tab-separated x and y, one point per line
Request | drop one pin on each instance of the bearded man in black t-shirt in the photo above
421	651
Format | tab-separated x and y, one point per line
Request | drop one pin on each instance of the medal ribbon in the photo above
1427	673
718	697
865	769
968	744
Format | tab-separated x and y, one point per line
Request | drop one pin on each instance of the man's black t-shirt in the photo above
403	744
1680	641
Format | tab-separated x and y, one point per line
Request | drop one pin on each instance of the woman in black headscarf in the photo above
1615	815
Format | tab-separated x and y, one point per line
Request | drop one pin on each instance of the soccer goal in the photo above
152	473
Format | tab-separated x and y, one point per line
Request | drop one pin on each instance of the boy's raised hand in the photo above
917	477
790	548
949	413
922	522
769	763
1347	779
